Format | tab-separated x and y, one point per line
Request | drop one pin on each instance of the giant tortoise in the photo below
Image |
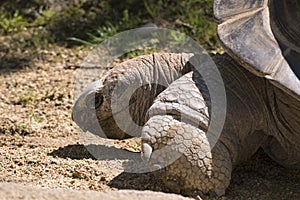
261	75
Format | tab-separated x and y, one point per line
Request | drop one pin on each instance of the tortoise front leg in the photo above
175	140
185	152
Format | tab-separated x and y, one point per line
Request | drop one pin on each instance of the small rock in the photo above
79	175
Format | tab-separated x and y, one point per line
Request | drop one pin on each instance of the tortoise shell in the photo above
264	37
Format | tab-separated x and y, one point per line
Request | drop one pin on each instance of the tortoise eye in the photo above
94	100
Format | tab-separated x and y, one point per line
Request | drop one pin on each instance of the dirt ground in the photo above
40	145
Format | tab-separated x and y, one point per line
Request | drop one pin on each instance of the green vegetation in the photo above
70	23
25	100
34	117
20	129
193	17
12	22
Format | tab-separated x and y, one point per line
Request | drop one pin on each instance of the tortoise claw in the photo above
146	153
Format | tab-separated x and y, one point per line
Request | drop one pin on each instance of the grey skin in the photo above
261	78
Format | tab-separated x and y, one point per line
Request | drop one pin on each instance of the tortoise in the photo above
260	71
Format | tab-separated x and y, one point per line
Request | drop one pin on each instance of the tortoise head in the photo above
264	37
92	110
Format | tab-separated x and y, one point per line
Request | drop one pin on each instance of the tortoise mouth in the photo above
285	24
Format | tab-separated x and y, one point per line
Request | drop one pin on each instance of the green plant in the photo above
111	28
34	117
154	8
20	129
26	99
91	22
191	17
11	23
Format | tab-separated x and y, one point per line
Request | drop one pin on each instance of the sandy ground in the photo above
40	145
